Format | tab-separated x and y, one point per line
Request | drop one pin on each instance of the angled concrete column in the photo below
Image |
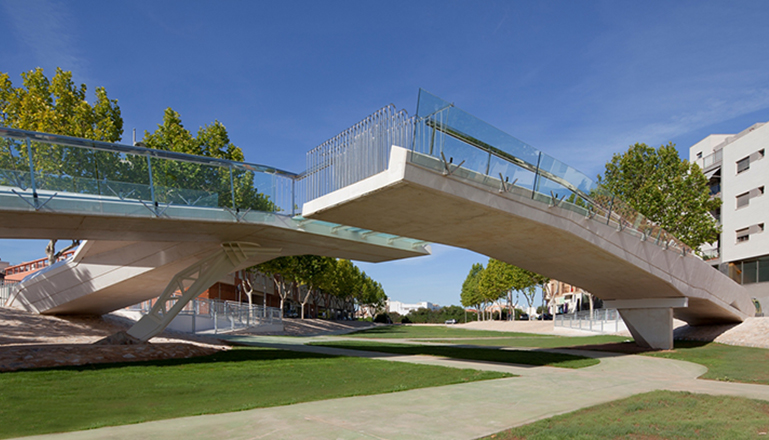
192	281
650	321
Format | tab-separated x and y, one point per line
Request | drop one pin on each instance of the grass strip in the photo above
727	363
525	357
428	331
76	398
655	415
544	341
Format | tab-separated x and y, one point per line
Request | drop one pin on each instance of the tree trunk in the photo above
306	298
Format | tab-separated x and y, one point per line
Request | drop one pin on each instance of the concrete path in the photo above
463	411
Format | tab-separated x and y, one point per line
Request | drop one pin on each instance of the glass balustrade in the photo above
452	141
49	164
441	136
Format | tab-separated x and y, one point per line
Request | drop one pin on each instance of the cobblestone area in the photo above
39	341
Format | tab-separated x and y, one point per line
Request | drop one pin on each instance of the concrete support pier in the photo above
650	321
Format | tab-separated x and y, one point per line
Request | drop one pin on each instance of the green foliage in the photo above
655	415
211	141
499	278
339	278
287	268
314	271
92	396
471	295
440	316
58	106
348	281
666	189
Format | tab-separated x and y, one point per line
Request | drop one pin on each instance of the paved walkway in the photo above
463	411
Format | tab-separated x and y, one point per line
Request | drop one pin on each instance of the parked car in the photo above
523	317
451	321
545	317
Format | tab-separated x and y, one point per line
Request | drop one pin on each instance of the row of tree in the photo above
329	279
496	283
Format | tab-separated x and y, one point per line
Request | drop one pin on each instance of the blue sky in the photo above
578	80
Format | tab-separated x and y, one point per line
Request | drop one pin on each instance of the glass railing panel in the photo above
14	165
511	173
456	152
122	175
65	169
191	184
441	127
256	190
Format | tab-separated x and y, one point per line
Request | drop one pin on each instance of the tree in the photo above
349	283
315	272
666	189
284	273
470	295
186	182
496	281
59	107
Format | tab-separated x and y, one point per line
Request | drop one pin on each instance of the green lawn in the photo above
655	415
76	398
540	341
725	362
428	331
540	358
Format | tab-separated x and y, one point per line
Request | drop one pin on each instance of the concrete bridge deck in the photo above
647	282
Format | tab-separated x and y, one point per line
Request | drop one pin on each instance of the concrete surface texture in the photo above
128	259
419	202
463	411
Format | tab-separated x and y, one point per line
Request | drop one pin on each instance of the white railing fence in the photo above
214	316
601	321
6	290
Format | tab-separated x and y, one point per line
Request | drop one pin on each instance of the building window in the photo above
699	155
743	165
743	200
743	235
760	153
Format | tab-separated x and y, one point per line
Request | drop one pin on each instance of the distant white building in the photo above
738	172
404	309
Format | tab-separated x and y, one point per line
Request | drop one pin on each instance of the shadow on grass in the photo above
382	330
533	358
632	348
238	354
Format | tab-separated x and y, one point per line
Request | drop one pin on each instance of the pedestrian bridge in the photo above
159	223
156	224
463	183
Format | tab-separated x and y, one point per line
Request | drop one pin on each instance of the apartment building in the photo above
738	172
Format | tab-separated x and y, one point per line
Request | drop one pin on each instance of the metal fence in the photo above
6	290
356	153
214	316
601	321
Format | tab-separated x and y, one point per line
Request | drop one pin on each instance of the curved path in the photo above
462	411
